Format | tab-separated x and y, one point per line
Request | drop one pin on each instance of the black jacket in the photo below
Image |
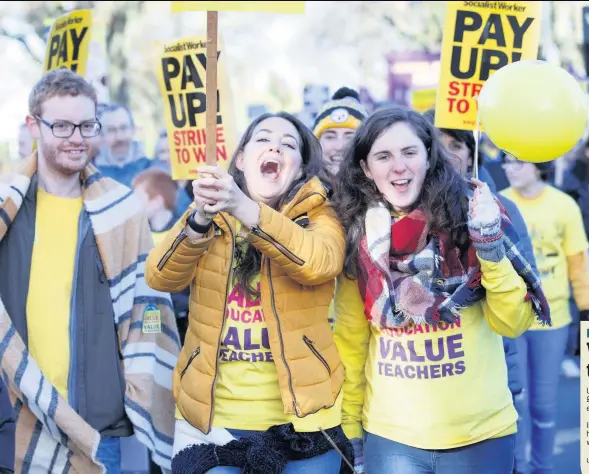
96	384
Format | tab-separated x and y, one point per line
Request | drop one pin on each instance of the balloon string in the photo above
477	136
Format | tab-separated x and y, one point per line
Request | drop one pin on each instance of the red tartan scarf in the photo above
407	274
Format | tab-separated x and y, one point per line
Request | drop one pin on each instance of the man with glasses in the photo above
86	346
560	245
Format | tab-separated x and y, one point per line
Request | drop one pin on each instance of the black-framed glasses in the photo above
65	129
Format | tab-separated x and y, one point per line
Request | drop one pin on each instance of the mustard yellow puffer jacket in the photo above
302	253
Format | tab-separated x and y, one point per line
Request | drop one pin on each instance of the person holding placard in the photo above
259	372
432	279
560	244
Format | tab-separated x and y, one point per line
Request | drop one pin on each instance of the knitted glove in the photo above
484	224
357	444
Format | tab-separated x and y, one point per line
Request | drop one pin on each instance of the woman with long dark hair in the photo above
258	381
432	280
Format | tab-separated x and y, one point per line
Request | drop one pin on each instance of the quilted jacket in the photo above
302	250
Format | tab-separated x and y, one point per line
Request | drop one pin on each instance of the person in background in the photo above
492	157
560	245
161	155
87	346
161	151
157	193
25	141
121	157
432	281
7	431
260	248
336	124
571	175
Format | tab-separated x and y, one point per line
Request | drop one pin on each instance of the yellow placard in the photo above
261	7
479	38
68	42
181	72
423	99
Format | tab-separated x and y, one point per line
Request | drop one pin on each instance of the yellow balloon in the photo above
532	110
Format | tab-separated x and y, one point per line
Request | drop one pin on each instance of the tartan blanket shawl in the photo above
50	436
407	274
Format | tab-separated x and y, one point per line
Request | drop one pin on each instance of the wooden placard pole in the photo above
211	89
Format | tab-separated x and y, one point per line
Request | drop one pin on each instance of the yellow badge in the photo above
152	320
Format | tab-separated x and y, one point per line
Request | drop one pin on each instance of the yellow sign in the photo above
181	72
69	41
480	38
423	100
263	7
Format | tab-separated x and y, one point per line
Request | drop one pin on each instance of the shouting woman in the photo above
258	381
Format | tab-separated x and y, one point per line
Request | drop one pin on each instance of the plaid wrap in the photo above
407	274
50	436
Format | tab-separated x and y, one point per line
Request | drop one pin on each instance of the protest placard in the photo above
423	99
181	72
69	41
481	37
265	7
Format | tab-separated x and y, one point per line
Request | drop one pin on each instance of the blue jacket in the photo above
525	244
7	431
527	250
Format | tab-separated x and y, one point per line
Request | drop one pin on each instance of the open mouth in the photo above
270	169
401	184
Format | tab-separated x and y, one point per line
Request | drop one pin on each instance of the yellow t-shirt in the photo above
50	286
432	387
247	394
556	229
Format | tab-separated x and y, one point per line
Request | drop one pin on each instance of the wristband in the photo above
195	226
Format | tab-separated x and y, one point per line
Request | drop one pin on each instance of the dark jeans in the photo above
573	340
492	456
109	454
540	355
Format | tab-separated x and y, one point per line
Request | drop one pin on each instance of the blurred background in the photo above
389	51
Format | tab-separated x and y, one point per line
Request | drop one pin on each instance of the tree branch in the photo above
22	40
408	36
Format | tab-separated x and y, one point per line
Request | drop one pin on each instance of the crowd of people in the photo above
347	297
